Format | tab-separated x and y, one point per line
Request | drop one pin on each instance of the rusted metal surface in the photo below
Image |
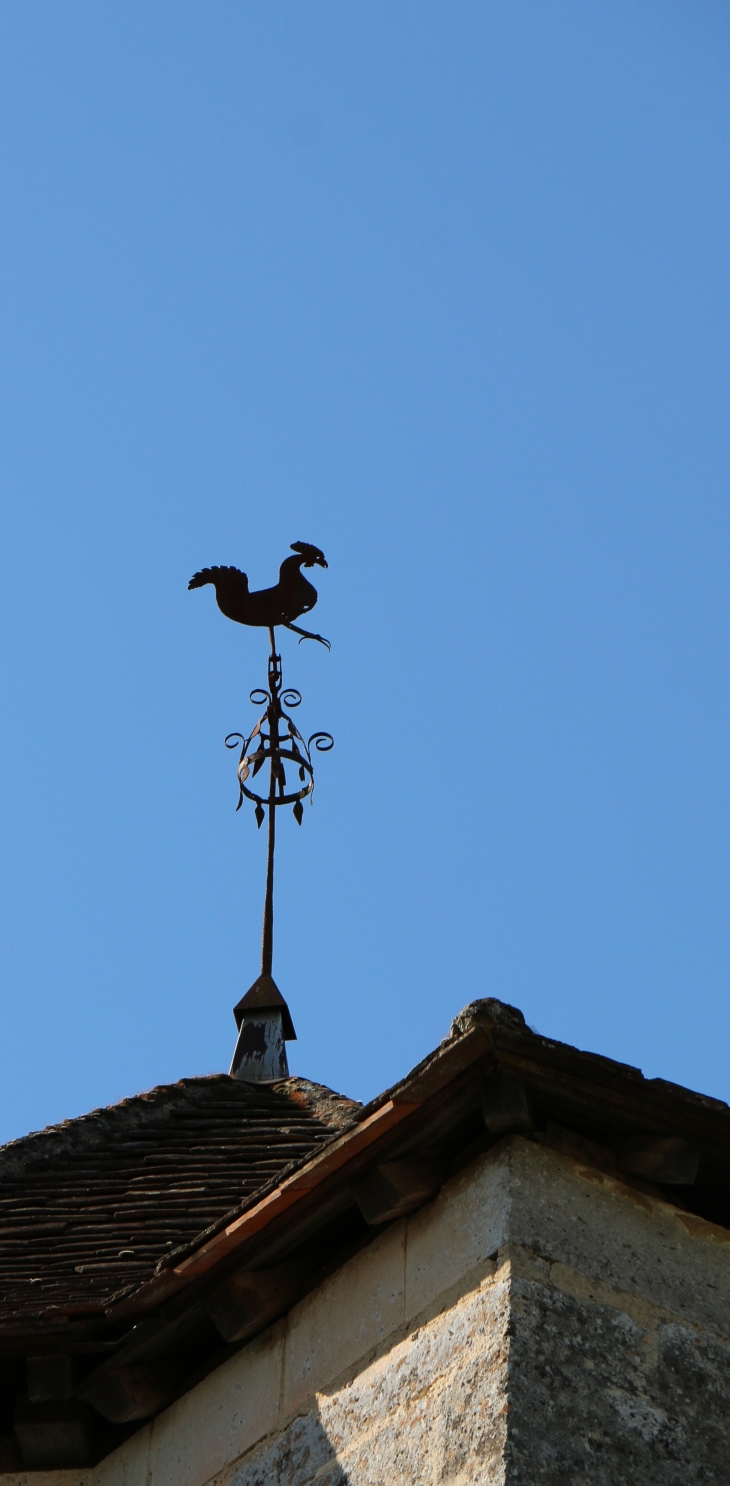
265	995
260	1052
292	596
275	740
264	1027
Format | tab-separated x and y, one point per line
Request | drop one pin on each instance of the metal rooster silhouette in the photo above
291	596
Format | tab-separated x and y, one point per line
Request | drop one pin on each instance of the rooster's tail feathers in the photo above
212	575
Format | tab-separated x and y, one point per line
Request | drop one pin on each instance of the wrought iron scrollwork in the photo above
275	740
282	744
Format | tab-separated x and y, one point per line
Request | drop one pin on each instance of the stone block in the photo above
340	1322
128	1465
459	1231
596	1396
434	1407
216	1422
579	1216
431	1408
77	1477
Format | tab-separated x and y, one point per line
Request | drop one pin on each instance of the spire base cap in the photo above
265	995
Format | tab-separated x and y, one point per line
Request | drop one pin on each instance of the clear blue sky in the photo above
444	289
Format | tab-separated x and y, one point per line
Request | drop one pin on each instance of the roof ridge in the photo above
95	1126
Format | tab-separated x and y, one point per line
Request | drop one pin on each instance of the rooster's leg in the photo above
306	634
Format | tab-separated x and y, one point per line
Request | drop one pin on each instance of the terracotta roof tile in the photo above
88	1208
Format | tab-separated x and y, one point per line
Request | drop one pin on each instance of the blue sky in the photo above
444	290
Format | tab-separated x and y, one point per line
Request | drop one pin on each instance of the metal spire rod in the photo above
267	935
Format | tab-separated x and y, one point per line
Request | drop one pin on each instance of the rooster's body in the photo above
291	596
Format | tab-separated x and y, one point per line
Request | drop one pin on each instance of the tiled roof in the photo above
88	1208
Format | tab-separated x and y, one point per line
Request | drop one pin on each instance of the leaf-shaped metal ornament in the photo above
298	812
302	775
242	772
257	759
259	813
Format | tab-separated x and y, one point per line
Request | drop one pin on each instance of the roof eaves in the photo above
374	1121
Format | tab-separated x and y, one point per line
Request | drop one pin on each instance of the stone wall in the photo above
619	1366
540	1323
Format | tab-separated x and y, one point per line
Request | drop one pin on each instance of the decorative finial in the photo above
262	1015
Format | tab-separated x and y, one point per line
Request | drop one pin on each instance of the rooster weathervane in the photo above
262	1016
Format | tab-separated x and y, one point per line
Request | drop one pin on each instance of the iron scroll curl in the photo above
275	749
323	742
